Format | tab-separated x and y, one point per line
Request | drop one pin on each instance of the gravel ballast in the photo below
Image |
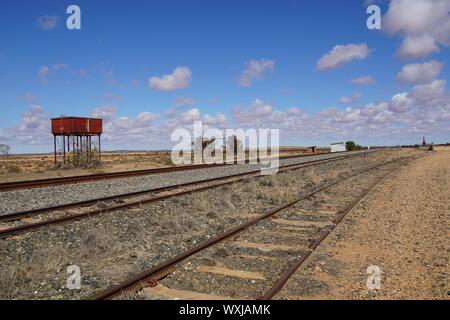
111	247
28	199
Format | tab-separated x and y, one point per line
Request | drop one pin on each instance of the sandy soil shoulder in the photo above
401	227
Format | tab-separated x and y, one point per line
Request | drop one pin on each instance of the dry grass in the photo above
44	167
200	202
137	231
14	169
268	182
26	271
165	161
230	196
17	276
251	186
311	176
179	223
275	189
99	240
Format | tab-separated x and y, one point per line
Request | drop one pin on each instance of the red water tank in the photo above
76	126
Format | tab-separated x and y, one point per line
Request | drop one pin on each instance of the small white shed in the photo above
338	147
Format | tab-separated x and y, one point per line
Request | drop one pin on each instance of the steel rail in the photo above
28	184
27	213
135	282
279	284
33	226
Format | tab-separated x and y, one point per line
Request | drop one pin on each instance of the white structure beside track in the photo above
338	147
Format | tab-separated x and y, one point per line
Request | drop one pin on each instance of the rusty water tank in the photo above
76	126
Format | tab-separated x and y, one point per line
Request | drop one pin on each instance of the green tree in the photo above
350	145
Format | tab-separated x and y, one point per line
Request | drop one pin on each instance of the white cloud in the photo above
218	121
420	73
47	22
34	119
33	100
127	132
424	23
343	54
107	113
414	47
254	70
354	98
257	110
190	116
416	16
430	95
424	110
263	115
186	120
179	79
180	102
33	129
400	103
365	80
170	113
43	72
183	101
294	111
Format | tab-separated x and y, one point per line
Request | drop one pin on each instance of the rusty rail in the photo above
33	226
135	282
279	284
28	184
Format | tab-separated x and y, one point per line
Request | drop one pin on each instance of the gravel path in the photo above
401	227
21	200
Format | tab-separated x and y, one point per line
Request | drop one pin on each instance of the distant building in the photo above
424	142
338	147
311	149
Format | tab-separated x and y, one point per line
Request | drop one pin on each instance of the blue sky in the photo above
104	68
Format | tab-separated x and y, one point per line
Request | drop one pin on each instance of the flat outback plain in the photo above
28	167
386	209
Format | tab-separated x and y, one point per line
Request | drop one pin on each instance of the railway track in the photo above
256	258
62	213
17	185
